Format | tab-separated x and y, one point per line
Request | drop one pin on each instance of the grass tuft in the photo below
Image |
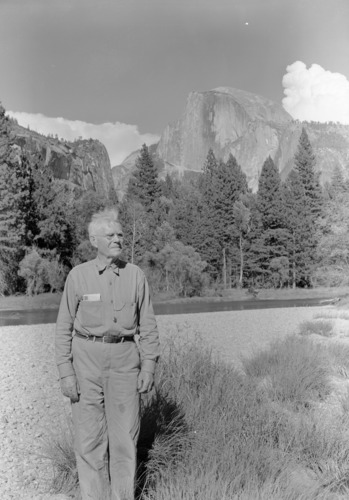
294	371
320	327
339	352
58	450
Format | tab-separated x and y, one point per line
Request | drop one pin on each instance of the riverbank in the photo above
52	300
31	400
33	410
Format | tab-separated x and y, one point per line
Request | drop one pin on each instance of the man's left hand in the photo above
145	381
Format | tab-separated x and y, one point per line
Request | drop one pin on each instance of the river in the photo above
42	316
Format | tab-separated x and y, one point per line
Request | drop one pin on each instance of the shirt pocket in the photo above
127	315
91	313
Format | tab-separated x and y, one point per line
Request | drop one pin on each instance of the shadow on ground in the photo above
162	422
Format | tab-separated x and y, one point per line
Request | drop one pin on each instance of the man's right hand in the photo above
69	388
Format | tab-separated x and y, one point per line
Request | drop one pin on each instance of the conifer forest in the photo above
191	236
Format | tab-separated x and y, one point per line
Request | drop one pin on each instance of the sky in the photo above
121	70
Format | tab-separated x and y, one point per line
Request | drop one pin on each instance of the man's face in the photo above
108	240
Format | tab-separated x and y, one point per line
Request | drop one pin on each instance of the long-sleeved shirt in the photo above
100	299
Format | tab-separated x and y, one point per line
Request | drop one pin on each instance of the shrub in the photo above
331	276
31	268
41	274
177	267
55	274
294	371
320	327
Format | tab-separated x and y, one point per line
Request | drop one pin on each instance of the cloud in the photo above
315	94
120	139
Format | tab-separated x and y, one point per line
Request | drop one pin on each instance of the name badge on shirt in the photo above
92	297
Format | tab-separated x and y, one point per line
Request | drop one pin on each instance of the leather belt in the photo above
108	339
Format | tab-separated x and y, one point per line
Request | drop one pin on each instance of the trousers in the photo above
106	418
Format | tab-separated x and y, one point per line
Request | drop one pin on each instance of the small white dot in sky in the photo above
246	24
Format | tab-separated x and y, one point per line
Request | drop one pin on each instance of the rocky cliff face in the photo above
84	163
121	174
251	128
227	121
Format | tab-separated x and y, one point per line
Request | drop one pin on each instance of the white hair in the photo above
102	218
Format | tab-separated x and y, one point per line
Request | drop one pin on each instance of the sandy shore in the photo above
32	407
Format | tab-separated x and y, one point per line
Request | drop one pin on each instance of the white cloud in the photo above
315	94
120	139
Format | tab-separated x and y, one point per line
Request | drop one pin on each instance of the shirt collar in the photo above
102	266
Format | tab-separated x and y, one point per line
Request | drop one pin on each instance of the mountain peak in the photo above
257	106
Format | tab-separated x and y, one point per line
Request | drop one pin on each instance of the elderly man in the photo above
102	369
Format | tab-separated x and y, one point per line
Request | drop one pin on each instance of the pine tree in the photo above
310	204
333	245
269	196
29	208
8	208
210	165
271	235
294	217
207	239
205	182
239	180
144	186
186	215
253	245
18	213
303	209
230	182
169	187
338	184
305	162
57	224
13	193
221	186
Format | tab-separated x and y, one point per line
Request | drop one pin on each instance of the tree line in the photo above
191	236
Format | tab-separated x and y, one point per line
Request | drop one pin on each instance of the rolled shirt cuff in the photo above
65	370
148	365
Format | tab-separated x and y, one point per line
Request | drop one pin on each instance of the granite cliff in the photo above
84	164
246	125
